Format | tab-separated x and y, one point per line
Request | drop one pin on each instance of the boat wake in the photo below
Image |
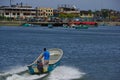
25	77
60	73
65	73
19	73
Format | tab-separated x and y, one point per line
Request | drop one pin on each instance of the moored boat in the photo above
81	27
55	57
50	26
65	26
85	23
27	25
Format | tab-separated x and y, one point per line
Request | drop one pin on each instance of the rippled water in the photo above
91	54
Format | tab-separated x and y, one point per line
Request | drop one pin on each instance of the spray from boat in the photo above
65	73
60	73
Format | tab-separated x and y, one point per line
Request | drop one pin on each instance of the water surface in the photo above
91	54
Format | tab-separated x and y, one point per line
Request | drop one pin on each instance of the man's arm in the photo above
41	56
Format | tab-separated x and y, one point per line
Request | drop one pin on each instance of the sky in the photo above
80	4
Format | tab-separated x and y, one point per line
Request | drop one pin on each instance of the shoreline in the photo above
108	23
20	23
11	23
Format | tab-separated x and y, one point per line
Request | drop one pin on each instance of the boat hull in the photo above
81	27
34	70
27	25
55	58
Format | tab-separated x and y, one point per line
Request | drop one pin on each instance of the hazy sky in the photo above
80	4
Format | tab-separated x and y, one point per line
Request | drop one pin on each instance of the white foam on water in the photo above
65	73
60	73
16	77
15	69
25	77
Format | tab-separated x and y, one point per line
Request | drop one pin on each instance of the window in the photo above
7	13
14	13
32	14
26	13
18	13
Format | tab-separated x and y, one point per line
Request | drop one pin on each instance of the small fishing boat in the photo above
50	26
27	25
82	27
65	25
55	57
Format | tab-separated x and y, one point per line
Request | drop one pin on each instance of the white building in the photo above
44	12
17	11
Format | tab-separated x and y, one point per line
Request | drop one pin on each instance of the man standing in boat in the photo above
46	56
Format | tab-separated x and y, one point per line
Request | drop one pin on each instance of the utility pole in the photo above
10	3
10	11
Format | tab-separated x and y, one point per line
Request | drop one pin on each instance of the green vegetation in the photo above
4	18
69	15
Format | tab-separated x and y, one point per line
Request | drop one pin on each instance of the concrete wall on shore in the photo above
11	23
109	23
19	23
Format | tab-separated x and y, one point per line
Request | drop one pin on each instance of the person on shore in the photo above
46	56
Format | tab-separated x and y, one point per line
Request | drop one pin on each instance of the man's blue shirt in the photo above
46	55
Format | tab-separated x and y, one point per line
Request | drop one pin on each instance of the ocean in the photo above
89	54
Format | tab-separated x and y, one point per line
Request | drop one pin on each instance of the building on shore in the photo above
44	12
68	9
17	11
26	12
86	15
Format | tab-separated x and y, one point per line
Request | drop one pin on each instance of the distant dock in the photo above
11	23
47	23
19	23
61	23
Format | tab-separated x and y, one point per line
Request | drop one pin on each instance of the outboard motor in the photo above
40	66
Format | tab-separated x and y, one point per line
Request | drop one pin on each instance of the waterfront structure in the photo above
107	15
69	10
25	12
44	12
56	13
17	11
86	15
1	11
